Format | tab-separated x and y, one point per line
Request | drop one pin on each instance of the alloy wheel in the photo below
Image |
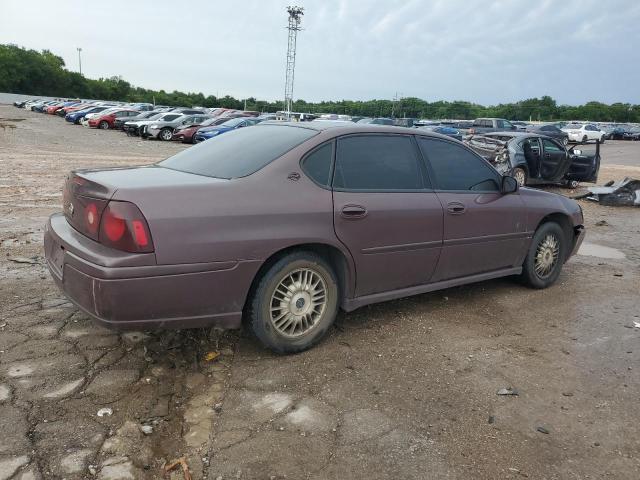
547	254
298	302
520	176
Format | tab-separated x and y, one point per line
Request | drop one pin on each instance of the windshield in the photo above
233	122
167	117
573	126
240	152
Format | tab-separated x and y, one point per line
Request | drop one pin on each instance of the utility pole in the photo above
295	17
80	59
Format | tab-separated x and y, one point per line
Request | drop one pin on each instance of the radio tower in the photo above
295	16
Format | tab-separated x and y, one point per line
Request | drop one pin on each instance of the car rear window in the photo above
239	152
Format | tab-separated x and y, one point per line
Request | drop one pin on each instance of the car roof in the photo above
345	128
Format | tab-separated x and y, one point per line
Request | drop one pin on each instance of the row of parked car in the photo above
188	125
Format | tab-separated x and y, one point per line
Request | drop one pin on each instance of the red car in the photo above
62	112
52	109
187	133
105	122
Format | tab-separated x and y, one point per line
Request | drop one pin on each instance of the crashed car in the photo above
536	159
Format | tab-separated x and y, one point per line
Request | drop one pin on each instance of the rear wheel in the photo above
103	125
542	266
520	175
584	139
602	139
294	303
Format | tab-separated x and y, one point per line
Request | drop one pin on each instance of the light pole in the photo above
80	59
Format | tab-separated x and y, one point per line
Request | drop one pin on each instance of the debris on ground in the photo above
146	429
182	461
105	412
508	391
542	430
602	223
636	324
211	356
626	192
30	261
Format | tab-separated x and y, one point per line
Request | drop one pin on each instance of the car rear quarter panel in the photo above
248	218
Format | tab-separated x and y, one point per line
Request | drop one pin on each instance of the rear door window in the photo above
377	163
317	164
456	168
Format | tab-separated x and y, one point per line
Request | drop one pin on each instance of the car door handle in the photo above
353	211
456	208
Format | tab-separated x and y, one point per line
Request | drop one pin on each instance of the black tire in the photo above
530	276
584	139
520	174
565	141
259	307
103	125
602	139
165	134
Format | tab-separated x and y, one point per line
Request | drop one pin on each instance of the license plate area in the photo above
57	259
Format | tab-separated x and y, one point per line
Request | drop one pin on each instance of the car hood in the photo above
140	123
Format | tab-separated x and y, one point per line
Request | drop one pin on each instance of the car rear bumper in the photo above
146	296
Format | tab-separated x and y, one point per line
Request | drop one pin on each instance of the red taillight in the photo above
124	227
139	233
113	226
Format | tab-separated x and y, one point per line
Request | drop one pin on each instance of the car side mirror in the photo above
509	185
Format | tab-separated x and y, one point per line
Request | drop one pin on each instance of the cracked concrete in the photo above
57	368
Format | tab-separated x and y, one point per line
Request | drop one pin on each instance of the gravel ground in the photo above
404	389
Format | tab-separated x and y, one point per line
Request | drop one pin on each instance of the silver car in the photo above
163	128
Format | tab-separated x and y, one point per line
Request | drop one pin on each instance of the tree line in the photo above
43	73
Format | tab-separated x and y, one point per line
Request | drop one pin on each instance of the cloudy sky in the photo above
485	51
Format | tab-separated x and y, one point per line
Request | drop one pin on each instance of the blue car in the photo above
206	133
77	116
444	130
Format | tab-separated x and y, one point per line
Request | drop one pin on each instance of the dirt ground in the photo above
401	390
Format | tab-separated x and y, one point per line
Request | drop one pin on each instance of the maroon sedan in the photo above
283	223
186	133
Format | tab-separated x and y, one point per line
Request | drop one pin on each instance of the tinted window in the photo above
240	152
377	162
550	146
318	164
456	168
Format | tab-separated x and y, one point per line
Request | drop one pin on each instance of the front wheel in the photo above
584	139
602	139
103	125
294	303
520	175
165	134
542	266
